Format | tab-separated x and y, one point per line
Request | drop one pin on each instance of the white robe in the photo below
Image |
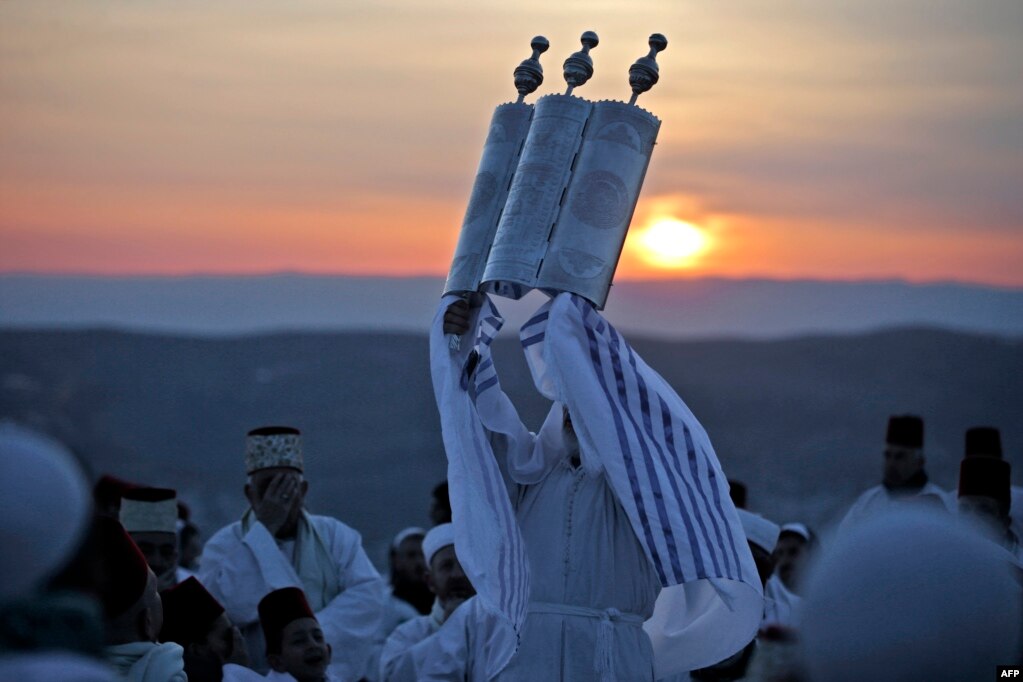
878	500
148	661
398	659
397	612
239	570
471	642
592	585
781	605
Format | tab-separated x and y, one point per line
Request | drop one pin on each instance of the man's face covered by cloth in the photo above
161	553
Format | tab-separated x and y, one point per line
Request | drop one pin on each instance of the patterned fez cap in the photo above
983	441
906	430
273	446
149	510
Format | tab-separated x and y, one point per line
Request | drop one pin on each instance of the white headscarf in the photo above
44	508
909	596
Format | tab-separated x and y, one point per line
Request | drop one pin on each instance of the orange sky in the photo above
808	139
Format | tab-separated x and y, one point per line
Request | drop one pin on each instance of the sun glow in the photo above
671	243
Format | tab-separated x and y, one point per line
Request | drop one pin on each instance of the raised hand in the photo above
274	507
456	318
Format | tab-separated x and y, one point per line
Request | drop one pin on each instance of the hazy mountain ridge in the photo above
671	309
800	420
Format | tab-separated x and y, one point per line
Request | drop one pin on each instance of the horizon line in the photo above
307	274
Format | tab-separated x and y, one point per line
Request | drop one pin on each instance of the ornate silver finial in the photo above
529	74
644	73
579	66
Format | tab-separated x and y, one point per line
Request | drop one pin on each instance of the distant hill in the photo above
677	309
801	421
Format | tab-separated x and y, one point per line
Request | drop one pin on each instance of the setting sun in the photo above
671	243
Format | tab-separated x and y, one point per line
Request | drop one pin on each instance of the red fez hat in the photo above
985	476
277	610
125	572
905	430
983	441
188	612
109	490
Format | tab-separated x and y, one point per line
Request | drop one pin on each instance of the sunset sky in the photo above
802	138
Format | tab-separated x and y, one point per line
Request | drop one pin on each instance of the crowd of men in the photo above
110	580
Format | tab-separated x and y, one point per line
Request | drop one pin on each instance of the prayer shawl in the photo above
148	661
312	563
631	425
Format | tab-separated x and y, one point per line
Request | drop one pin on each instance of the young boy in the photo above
295	646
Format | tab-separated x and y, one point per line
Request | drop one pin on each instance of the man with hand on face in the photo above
446	580
295	644
278	544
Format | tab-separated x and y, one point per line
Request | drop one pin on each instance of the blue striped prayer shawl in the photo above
655	454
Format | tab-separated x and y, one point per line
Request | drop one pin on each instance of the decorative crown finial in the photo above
529	74
643	74
579	66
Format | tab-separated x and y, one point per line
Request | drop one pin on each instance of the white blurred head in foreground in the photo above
910	596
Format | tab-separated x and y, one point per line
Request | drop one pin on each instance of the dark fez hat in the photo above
277	610
987	477
905	430
983	441
737	491
188	612
110	489
125	572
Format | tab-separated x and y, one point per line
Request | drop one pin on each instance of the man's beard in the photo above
415	592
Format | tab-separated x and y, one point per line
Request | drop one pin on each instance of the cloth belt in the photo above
603	660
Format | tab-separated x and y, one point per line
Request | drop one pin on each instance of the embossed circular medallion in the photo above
601	200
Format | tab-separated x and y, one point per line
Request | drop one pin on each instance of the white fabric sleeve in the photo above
350	621
240	570
397	663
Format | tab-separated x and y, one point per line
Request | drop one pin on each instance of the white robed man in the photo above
986	441
905	478
792	553
150	515
278	544
984	500
134	612
570	534
405	649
